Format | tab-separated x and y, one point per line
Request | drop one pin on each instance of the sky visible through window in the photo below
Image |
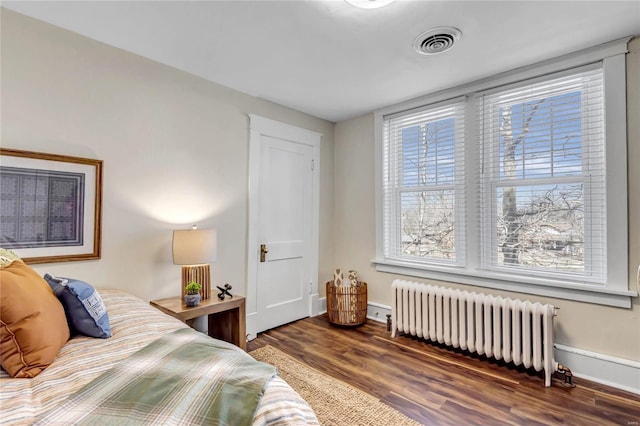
553	144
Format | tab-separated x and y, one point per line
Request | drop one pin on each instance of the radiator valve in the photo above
388	322
568	376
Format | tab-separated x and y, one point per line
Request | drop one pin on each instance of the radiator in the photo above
506	329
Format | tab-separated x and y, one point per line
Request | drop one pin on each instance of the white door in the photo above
283	255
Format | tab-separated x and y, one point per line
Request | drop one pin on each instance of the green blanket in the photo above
184	377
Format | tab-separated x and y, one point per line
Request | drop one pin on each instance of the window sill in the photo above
560	290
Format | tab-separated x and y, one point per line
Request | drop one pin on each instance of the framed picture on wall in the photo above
50	206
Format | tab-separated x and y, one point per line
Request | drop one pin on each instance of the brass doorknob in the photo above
263	251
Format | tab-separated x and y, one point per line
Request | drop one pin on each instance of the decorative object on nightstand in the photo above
224	291
194	249
192	296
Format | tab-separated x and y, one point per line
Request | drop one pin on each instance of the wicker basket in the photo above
347	305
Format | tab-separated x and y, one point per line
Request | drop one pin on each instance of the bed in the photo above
135	325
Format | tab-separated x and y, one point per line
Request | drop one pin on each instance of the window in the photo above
424	185
516	182
543	190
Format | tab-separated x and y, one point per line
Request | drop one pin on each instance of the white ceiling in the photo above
334	61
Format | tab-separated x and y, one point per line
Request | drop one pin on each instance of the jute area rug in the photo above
335	402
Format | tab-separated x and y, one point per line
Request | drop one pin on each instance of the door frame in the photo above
258	127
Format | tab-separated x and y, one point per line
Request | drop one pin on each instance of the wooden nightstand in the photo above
227	318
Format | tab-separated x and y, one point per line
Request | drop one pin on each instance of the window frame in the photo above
615	291
490	183
397	188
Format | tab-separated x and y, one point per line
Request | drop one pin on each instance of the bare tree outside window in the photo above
427	224
540	221
427	200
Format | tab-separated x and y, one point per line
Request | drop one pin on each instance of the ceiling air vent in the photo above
436	40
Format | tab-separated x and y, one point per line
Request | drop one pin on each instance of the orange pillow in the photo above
33	326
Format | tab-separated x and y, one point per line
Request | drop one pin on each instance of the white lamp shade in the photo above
194	247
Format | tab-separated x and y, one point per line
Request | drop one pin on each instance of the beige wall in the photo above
175	151
606	330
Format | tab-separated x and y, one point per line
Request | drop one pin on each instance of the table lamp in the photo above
194	249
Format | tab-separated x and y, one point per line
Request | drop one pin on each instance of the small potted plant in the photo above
192	296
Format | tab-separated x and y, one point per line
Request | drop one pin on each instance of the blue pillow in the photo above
83	306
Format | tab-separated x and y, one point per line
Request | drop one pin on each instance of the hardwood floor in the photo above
440	386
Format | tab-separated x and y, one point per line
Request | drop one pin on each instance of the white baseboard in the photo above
605	369
378	312
375	311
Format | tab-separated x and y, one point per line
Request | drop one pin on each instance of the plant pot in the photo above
192	299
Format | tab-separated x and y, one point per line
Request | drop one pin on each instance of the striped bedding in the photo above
134	324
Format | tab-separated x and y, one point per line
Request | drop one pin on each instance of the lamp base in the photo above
200	274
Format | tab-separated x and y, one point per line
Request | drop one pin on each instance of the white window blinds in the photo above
423	174
542	177
520	185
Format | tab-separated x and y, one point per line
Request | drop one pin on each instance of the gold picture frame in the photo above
51	206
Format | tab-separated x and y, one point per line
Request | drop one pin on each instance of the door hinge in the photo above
310	287
313	165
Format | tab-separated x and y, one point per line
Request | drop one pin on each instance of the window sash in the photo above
590	86
399	181
492	247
